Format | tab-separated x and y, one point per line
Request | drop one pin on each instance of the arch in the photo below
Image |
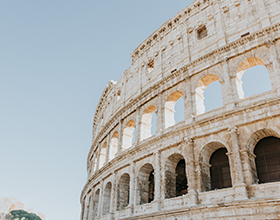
123	192
220	170
107	198
169	109
251	63
113	145
205	163
95	204
199	91
102	156
175	176
145	184
253	139
146	122
258	135
128	134
267	159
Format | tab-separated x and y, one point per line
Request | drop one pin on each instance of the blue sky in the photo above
56	57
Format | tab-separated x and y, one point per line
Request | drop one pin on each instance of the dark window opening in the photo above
151	186
267	153
202	32
220	170
181	179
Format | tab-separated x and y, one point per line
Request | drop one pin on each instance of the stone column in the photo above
108	148
250	175
132	188
100	202
190	167
90	215
86	209
137	126
83	210
188	102
157	182
92	164
160	114
112	201
98	156
228	100
275	79
120	137
240	186
263	14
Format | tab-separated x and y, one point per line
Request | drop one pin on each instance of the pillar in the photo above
188	102
100	202
92	164
239	185
160	114
98	156
108	148
157	182
228	99
113	195
190	167
137	126
132	188
275	80
120	137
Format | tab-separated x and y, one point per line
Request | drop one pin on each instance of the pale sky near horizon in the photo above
56	58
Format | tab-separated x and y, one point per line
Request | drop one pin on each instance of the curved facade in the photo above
218	164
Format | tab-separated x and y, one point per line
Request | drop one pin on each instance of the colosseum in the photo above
217	164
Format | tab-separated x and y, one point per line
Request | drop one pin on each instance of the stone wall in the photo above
206	42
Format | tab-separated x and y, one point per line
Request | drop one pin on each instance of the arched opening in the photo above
220	170
145	185
267	159
102	156
213	90
107	198
176	183
214	167
114	145
128	134
95	204
213	94
123	192
252	77
146	122
173	100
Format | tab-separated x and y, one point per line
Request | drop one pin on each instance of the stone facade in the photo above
133	174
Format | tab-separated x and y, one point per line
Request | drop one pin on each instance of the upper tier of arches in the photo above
137	126
190	43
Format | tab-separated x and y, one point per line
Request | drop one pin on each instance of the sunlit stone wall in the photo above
208	165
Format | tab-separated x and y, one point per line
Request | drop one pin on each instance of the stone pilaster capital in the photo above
189	140
157	152
233	129
269	43
224	61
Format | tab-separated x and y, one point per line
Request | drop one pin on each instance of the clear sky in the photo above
56	57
